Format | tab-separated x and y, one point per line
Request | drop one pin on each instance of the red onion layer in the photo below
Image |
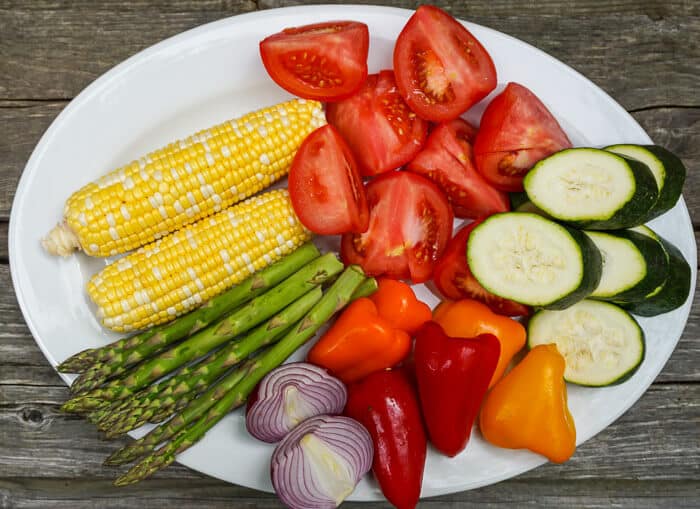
289	395
320	462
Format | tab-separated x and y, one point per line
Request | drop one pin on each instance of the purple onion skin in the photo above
291	472
319	393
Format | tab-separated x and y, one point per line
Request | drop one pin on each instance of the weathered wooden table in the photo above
646	54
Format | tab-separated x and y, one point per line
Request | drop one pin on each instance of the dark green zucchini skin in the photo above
592	270
656	261
636	210
673	181
673	293
517	199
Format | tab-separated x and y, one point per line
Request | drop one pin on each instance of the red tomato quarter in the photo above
410	222
323	61
378	125
441	69
516	131
455	281
447	160
325	187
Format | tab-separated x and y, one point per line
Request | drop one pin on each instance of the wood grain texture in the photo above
644	53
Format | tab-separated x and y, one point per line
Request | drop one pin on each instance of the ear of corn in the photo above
181	271
184	181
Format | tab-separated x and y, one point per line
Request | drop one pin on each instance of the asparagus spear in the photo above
153	339
202	342
335	299
185	386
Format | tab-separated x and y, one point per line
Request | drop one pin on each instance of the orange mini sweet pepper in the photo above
467	318
360	342
527	409
396	302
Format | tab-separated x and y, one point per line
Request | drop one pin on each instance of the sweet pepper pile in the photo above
416	376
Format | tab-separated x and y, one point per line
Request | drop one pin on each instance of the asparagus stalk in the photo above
150	341
159	401
334	300
185	386
204	341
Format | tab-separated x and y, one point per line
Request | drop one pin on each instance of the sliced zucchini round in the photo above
593	189
673	293
529	259
667	168
634	265
601	343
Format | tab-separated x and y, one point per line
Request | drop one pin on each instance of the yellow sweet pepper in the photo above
527	409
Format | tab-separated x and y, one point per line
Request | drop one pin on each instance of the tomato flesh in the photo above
441	68
381	130
516	132
325	186
455	281
447	160
323	61
409	226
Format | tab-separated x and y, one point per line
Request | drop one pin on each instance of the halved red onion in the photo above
289	395
320	462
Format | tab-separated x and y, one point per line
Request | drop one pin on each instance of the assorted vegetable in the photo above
601	343
231	291
527	409
593	189
467	318
320	462
516	131
453	375
289	395
447	159
386	404
360	342
180	184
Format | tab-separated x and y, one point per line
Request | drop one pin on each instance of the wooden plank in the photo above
44	55
655	440
24	123
32	493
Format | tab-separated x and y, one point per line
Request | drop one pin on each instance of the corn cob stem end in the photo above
61	241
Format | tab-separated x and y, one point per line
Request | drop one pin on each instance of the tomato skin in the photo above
516	131
455	281
448	161
442	70
381	130
409	226
293	59
325	187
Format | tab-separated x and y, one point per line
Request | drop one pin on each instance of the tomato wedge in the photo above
378	125
324	61
447	160
516	131
410	222
441	68
325	186
455	281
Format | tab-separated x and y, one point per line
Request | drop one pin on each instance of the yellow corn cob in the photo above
177	273
184	181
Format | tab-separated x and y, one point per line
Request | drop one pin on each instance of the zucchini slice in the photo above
667	168
673	293
529	259
592	189
601	343
634	265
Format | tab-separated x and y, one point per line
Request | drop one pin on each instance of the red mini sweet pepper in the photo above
453	375
386	404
